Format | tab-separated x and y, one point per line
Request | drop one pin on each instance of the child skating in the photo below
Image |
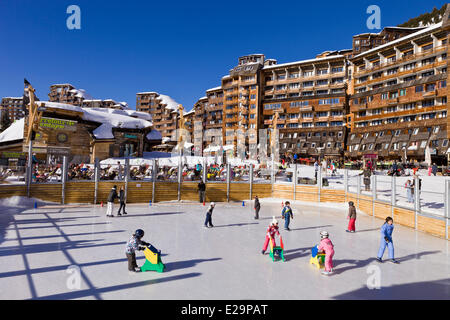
287	215
208	220
351	216
271	232
386	240
327	247
135	243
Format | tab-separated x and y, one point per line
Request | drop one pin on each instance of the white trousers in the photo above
109	208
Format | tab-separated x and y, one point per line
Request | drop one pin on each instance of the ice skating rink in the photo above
75	252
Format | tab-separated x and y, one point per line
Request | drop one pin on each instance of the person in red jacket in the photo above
271	232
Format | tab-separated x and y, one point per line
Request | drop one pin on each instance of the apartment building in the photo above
67	93
399	97
310	99
13	107
164	111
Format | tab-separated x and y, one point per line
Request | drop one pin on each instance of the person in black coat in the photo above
111	197
202	191
122	200
257	207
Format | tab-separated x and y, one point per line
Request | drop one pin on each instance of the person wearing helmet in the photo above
351	216
327	247
208	220
386	240
135	243
270	234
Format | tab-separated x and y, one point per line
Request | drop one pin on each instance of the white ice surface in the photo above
37	246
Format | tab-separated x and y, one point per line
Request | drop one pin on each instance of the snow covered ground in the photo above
42	251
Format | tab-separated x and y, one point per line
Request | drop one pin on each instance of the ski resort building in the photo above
399	98
12	108
83	134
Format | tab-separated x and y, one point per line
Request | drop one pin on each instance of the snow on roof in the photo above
13	132
302	61
410	36
81	93
109	118
149	92
154	135
214	89
61	84
13	98
171	104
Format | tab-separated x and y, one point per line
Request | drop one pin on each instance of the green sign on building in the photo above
58	124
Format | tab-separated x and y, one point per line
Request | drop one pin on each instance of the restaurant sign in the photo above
58	124
7	154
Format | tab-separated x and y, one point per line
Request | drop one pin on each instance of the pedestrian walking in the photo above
257	207
111	197
122	201
202	191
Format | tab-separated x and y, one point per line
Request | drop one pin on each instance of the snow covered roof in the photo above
302	62
81	93
410	36
149	92
214	89
109	118
171	104
13	132
13	98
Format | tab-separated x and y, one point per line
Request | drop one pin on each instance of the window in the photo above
436	130
394	95
308	84
402	92
430	87
445	143
384	96
416	131
253	97
397	133
419	89
423	144
443	84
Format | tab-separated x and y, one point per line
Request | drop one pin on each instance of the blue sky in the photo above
178	48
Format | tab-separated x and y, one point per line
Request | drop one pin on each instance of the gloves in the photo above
387	239
141	248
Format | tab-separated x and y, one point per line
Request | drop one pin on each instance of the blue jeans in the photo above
287	220
383	246
208	220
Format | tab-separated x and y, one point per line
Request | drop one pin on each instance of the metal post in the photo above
416	200
29	167
319	182
154	177
358	187
228	181
64	180
447	206
295	182
251	181
204	169
374	192
393	194
180	166
346	180
272	173
127	177
96	178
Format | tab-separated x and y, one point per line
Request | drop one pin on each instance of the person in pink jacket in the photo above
327	247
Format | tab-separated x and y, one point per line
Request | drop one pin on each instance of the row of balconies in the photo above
419	55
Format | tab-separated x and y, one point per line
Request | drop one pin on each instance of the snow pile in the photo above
13	132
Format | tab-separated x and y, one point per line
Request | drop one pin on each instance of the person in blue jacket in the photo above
386	240
287	215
